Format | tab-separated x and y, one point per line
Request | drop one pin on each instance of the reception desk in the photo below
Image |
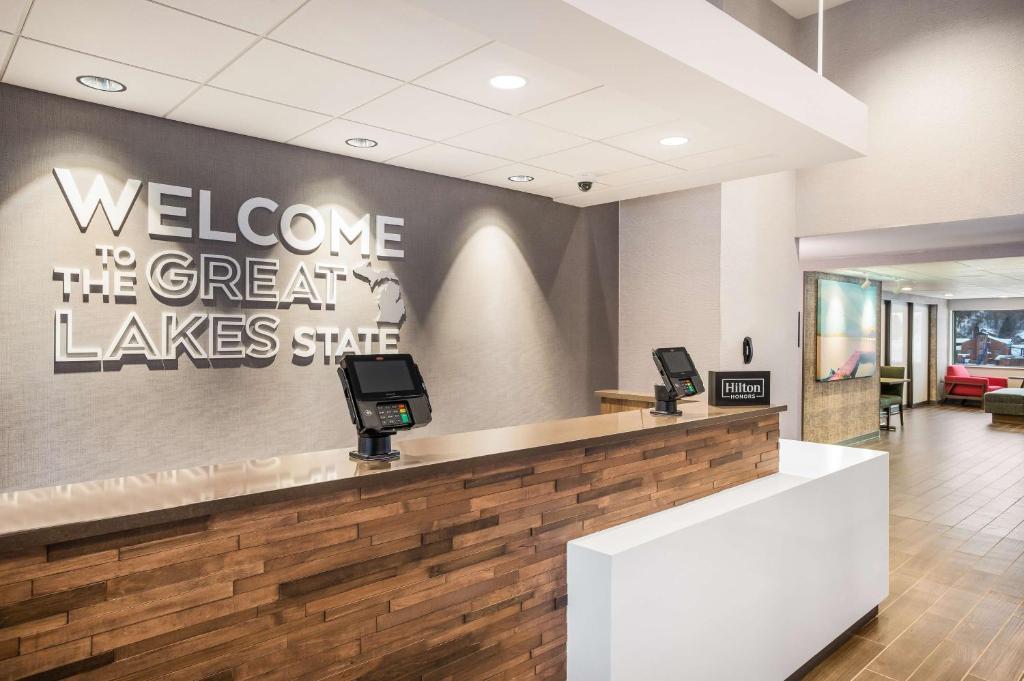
615	401
450	562
758	583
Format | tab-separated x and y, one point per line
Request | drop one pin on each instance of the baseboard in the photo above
833	646
860	439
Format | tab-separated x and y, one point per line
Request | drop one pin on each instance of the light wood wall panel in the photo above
837	411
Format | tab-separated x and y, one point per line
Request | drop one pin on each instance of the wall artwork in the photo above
847	330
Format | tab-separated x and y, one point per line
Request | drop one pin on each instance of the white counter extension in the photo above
749	583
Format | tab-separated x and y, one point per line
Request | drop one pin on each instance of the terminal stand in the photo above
374	447
665	402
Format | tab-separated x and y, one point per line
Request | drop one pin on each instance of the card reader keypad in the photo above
686	386
394	414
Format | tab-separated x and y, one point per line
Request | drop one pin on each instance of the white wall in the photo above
944	84
760	292
668	281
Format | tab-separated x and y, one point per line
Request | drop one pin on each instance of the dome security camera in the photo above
585	182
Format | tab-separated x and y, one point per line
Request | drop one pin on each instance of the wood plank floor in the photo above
956	587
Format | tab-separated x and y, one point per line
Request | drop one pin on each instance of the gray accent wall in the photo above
512	299
669	252
765	18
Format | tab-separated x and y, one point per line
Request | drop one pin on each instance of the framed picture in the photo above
847	330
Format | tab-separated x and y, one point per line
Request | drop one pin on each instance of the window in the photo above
988	337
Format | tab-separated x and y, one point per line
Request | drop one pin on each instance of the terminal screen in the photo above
385	376
678	363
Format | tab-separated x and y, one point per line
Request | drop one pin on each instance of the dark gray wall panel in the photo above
511	298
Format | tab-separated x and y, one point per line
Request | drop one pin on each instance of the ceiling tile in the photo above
654	171
469	78
647	141
590	159
516	139
964	279
269	71
331	137
445	160
600	113
11	12
424	113
5	44
54	69
256	16
499	177
229	111
139	33
386	36
1003	265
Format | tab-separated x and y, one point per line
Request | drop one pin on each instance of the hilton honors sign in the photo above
739	388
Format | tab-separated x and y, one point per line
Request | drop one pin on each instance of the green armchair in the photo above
892	394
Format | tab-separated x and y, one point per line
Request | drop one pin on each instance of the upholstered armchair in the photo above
962	386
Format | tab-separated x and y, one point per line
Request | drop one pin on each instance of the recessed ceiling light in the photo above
674	141
1004	296
102	84
949	295
907	288
508	82
361	142
520	178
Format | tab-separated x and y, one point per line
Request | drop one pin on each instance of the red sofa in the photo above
961	385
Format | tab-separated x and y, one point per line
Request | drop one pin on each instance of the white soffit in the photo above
605	82
994	237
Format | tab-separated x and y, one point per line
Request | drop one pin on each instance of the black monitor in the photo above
385	394
379	377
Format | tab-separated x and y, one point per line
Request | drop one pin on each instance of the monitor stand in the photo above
665	402
374	448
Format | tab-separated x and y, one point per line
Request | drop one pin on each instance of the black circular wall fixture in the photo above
748	350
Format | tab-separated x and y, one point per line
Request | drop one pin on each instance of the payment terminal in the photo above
385	394
680	379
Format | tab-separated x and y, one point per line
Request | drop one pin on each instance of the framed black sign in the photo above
739	388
